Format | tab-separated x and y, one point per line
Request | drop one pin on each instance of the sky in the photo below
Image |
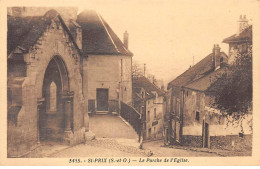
166	34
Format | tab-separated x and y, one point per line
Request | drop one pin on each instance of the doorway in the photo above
52	119
102	99
205	135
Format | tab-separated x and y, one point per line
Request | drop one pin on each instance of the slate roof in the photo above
244	36
199	70
203	84
97	36
23	32
143	82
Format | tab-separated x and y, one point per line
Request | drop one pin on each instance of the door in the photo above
205	134
102	99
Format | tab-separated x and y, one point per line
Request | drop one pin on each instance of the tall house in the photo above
241	41
107	65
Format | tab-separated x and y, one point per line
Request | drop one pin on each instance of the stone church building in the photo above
58	62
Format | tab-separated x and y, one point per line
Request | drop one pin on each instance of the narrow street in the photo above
111	148
113	138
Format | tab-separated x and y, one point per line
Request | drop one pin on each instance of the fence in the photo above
131	116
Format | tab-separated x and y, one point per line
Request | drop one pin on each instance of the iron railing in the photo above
132	116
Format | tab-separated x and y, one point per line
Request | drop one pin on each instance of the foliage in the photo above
233	90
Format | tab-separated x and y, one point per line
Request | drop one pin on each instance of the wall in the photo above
151	104
175	108
104	71
235	48
194	102
222	134
23	136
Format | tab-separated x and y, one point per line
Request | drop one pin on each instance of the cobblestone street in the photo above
113	148
124	143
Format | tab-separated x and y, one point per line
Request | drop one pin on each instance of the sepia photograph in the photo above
120	82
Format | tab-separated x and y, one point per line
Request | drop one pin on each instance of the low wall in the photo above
232	142
192	141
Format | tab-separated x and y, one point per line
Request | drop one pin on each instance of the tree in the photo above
136	70
233	89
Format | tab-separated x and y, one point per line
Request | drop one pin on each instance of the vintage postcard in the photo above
159	82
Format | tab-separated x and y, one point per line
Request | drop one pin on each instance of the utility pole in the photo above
144	69
119	88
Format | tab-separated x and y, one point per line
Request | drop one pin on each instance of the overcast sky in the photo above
167	34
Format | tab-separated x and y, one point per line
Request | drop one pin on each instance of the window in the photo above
221	60
53	96
197	116
148	117
149	132
154	112
154	132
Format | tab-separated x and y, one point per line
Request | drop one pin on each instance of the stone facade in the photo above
52	76
207	127
56	45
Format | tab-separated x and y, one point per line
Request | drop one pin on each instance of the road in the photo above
159	151
114	138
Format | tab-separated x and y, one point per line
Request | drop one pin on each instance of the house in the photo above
108	64
176	96
148	99
193	119
60	66
241	41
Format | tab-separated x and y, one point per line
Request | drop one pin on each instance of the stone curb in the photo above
198	150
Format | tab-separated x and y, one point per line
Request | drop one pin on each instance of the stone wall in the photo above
232	142
192	141
22	137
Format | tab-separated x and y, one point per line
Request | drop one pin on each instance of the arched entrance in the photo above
55	110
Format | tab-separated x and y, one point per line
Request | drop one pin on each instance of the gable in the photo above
24	32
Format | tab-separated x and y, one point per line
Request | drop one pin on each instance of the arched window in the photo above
53	96
221	60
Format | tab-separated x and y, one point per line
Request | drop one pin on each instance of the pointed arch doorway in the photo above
55	107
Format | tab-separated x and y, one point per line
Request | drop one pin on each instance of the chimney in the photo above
216	56
126	39
242	24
